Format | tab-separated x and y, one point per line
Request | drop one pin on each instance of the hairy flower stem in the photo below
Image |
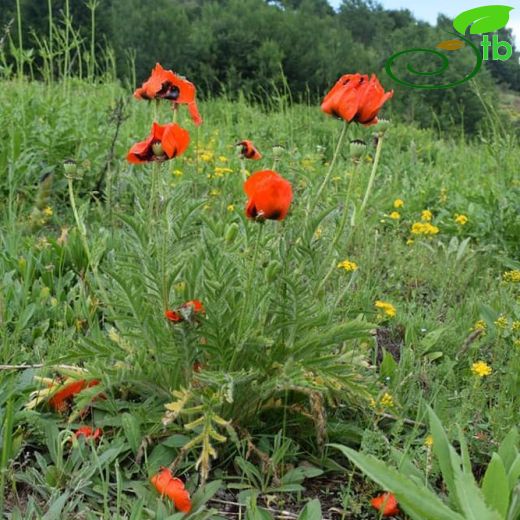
372	176
153	191
83	235
339	232
310	207
247	292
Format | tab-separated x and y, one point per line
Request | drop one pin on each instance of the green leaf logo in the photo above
488	18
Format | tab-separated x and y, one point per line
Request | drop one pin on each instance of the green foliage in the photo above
495	499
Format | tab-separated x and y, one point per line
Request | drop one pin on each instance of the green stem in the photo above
51	54
329	171
338	234
247	292
67	45
153	191
20	41
372	175
93	7
83	235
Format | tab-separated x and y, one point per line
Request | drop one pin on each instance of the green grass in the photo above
288	345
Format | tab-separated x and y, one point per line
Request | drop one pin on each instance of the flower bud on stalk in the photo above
231	232
70	167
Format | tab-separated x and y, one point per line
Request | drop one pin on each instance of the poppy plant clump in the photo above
165	84
185	311
269	196
168	485
164	142
248	150
386	504
357	98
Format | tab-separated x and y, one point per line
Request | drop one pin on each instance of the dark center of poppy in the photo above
172	93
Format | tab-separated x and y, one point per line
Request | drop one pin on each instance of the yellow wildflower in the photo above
424	228
222	158
48	212
481	369
206	156
387	401
348	265
220	171
480	325
515	326
501	322
461	219
318	232
409	242
512	276
398	203
177	173
395	215
231	207
372	402
215	193
428	441
426	215
386	307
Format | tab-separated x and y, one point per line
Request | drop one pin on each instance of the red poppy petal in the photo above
175	140
194	113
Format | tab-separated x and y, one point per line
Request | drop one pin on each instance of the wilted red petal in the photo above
386	504
269	194
59	400
88	432
196	304
173	316
167	485
249	150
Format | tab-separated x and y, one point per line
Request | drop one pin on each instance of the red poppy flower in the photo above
88	432
165	142
356	98
165	84
269	195
62	399
168	485
249	150
185	311
386	504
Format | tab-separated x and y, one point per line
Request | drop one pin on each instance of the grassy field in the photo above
292	352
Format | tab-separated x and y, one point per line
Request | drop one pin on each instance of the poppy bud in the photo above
382	126
157	149
70	168
357	149
231	232
278	150
272	271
